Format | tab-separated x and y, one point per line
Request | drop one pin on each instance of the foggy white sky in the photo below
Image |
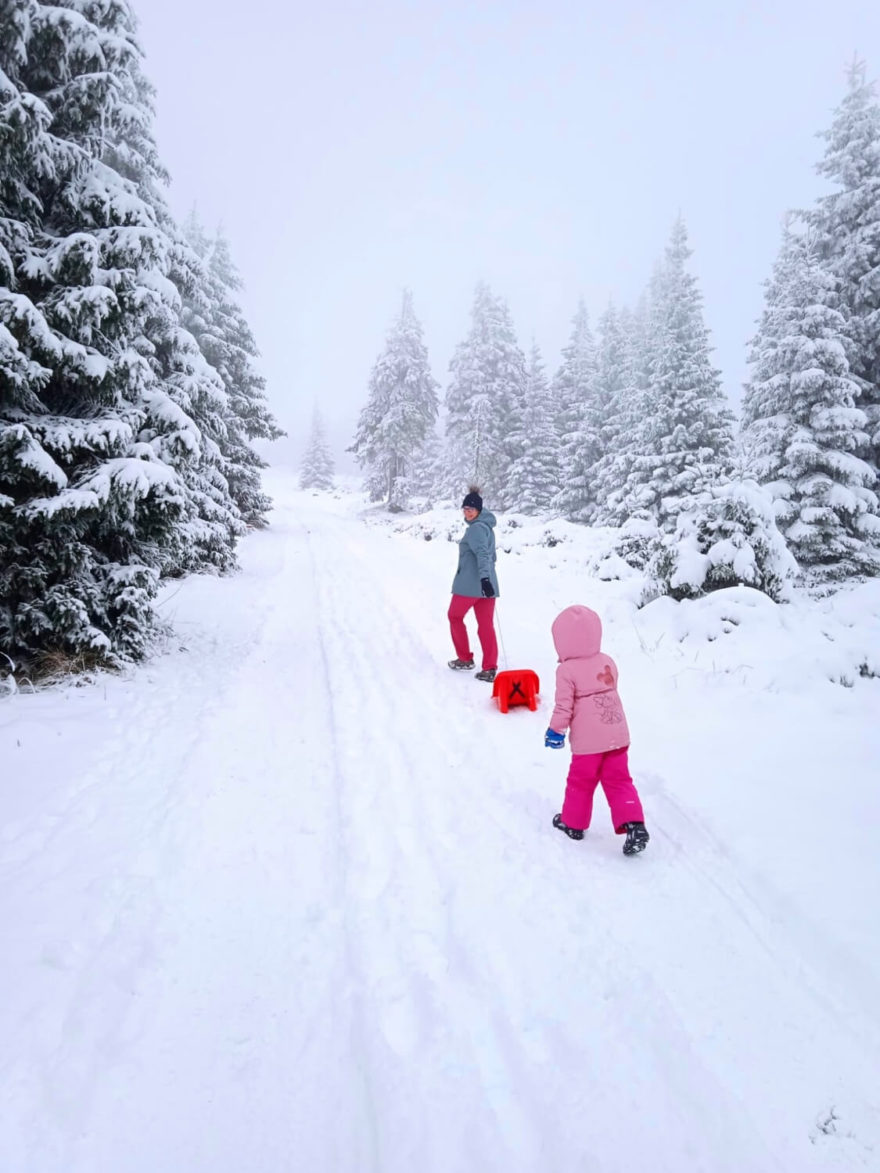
546	146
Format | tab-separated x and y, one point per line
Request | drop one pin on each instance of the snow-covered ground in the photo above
288	898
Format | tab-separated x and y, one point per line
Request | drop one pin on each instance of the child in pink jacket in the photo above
587	703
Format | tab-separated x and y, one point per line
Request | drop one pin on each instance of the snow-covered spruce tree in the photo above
426	474
620	382
484	401
214	317
574	390
846	227
534	478
801	428
123	149
213	523
316	470
684	439
400	412
98	449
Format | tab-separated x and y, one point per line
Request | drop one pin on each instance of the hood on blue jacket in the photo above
486	517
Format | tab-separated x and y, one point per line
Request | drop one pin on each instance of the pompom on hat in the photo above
473	501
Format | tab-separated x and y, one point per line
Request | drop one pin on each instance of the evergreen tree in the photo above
534	479
578	427
213	523
612	369
316	470
846	226
484	401
400	412
426	474
802	430
684	438
82	504
620	382
214	317
108	476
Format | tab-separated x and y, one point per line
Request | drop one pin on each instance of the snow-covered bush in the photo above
634	544
727	536
626	551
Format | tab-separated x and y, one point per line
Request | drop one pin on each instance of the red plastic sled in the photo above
519	687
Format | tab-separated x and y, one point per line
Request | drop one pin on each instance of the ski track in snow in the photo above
321	922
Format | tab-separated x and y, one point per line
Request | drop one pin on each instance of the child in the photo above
587	701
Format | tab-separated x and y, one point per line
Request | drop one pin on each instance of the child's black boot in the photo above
571	832
636	838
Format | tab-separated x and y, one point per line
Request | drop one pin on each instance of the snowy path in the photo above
298	907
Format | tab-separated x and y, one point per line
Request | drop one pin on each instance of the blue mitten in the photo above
554	740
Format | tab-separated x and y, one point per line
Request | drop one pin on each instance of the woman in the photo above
475	585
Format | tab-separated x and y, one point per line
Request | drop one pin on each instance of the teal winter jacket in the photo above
476	557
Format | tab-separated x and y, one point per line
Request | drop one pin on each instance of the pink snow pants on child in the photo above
484	609
612	770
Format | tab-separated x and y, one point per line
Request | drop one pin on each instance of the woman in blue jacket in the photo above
475	585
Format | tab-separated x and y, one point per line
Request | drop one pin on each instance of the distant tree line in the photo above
634	431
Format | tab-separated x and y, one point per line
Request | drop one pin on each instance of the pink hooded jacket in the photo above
586	685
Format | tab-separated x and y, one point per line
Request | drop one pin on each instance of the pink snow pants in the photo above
612	770
484	609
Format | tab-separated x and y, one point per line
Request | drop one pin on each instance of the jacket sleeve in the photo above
563	709
478	540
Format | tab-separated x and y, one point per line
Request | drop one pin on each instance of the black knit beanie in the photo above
473	501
